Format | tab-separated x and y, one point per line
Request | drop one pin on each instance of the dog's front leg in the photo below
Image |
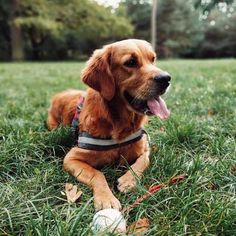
103	197
128	181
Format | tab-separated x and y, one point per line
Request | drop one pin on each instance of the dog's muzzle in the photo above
153	104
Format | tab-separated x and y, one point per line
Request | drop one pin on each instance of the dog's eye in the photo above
131	63
153	59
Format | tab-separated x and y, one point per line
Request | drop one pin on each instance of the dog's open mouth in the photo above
155	106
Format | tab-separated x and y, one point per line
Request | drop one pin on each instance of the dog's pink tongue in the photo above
158	107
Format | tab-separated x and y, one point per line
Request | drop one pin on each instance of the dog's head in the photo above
127	69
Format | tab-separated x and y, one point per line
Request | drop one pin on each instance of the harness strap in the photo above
75	121
86	141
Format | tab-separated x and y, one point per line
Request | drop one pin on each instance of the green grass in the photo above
198	139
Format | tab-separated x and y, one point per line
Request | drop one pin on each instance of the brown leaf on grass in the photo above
211	113
139	227
72	192
155	148
162	129
232	169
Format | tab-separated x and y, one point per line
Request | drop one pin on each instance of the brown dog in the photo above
125	87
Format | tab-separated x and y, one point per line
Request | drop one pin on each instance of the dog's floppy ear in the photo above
97	73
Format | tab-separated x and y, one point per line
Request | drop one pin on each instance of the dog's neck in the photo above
105	119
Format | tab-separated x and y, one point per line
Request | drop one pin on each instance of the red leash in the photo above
152	190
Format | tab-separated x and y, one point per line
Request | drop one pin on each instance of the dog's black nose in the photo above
163	80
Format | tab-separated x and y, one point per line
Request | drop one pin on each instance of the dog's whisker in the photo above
140	94
143	95
137	98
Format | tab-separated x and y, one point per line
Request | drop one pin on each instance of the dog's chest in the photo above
120	156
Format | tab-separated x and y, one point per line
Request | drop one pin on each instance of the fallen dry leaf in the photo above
211	113
162	129
72	192
155	148
139	227
233	169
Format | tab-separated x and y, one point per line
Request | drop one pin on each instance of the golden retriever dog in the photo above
124	89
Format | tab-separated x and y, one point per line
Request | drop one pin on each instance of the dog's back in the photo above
62	109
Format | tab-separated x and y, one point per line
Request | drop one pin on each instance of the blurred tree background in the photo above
72	29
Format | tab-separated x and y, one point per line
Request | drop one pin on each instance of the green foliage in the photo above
139	13
178	29
185	31
207	6
72	29
219	35
62	29
199	139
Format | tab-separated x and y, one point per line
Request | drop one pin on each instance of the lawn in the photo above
198	139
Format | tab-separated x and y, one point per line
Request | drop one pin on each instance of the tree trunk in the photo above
16	34
153	24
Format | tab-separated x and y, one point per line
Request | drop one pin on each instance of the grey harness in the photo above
86	141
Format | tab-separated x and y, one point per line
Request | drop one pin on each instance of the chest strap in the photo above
86	141
75	121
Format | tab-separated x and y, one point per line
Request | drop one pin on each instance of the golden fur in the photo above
106	113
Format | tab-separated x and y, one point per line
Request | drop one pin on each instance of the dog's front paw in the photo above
105	199
126	182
